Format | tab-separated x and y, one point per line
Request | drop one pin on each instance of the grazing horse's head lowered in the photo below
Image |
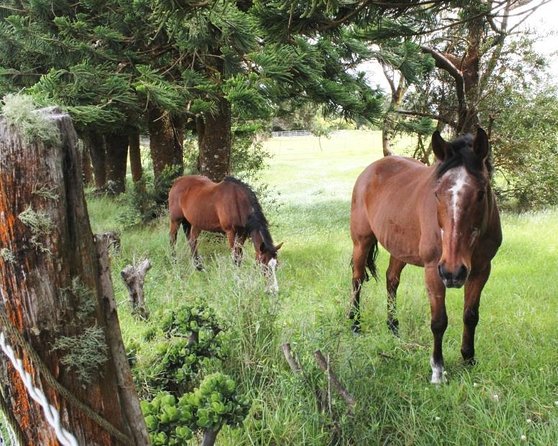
462	180
442	217
230	207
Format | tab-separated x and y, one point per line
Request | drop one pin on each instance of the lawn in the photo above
510	397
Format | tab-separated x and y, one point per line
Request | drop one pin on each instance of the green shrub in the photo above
148	199
192	343
208	408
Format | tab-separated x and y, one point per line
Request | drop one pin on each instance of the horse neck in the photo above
493	211
257	239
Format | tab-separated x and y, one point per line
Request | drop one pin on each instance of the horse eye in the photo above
480	195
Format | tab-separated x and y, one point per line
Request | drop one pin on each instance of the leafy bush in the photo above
166	423
148	199
192	343
192	346
208	408
525	147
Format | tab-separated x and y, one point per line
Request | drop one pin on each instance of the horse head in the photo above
266	256
462	192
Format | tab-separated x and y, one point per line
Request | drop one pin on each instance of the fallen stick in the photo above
334	381
293	363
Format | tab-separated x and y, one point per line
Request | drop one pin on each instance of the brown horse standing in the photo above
230	207
443	218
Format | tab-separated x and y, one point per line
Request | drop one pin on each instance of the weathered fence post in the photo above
54	310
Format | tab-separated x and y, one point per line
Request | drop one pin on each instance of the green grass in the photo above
510	397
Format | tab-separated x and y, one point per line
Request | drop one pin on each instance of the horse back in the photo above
216	207
188	195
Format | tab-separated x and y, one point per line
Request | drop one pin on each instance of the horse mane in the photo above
461	154
256	219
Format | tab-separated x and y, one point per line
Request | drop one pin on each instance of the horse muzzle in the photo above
453	279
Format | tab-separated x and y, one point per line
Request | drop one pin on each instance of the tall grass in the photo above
510	397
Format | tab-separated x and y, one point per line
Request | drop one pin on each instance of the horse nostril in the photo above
442	272
461	274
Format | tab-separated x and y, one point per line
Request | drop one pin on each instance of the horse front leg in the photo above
360	254
473	289
193	242
393	275
438	321
236	243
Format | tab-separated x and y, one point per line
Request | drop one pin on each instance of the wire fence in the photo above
289	133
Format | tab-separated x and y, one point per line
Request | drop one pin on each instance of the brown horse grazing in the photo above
229	207
443	218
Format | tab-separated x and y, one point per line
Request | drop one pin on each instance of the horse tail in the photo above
186	226
371	261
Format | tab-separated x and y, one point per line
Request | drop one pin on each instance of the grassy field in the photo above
510	397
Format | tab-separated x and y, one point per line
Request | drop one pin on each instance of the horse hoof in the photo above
469	362
355	328
394	327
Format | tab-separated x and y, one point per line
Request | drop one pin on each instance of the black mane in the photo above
256	220
461	153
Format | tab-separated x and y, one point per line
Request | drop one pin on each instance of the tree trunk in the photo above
214	140
52	290
135	156
209	437
389	122
94	143
117	156
469	119
165	142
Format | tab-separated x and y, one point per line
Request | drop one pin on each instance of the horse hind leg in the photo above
174	224
193	233
393	275
364	255
186	227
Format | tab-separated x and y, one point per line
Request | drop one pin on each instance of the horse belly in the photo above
400	240
202	216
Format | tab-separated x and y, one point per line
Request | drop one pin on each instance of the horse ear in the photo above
439	146
278	247
480	145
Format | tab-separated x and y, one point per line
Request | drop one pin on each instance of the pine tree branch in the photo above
427	115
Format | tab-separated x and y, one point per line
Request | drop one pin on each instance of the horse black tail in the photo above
371	261
186	226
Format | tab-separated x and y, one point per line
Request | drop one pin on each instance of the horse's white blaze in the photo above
273	286
437	372
460	180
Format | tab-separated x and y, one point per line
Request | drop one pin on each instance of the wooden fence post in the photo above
52	300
